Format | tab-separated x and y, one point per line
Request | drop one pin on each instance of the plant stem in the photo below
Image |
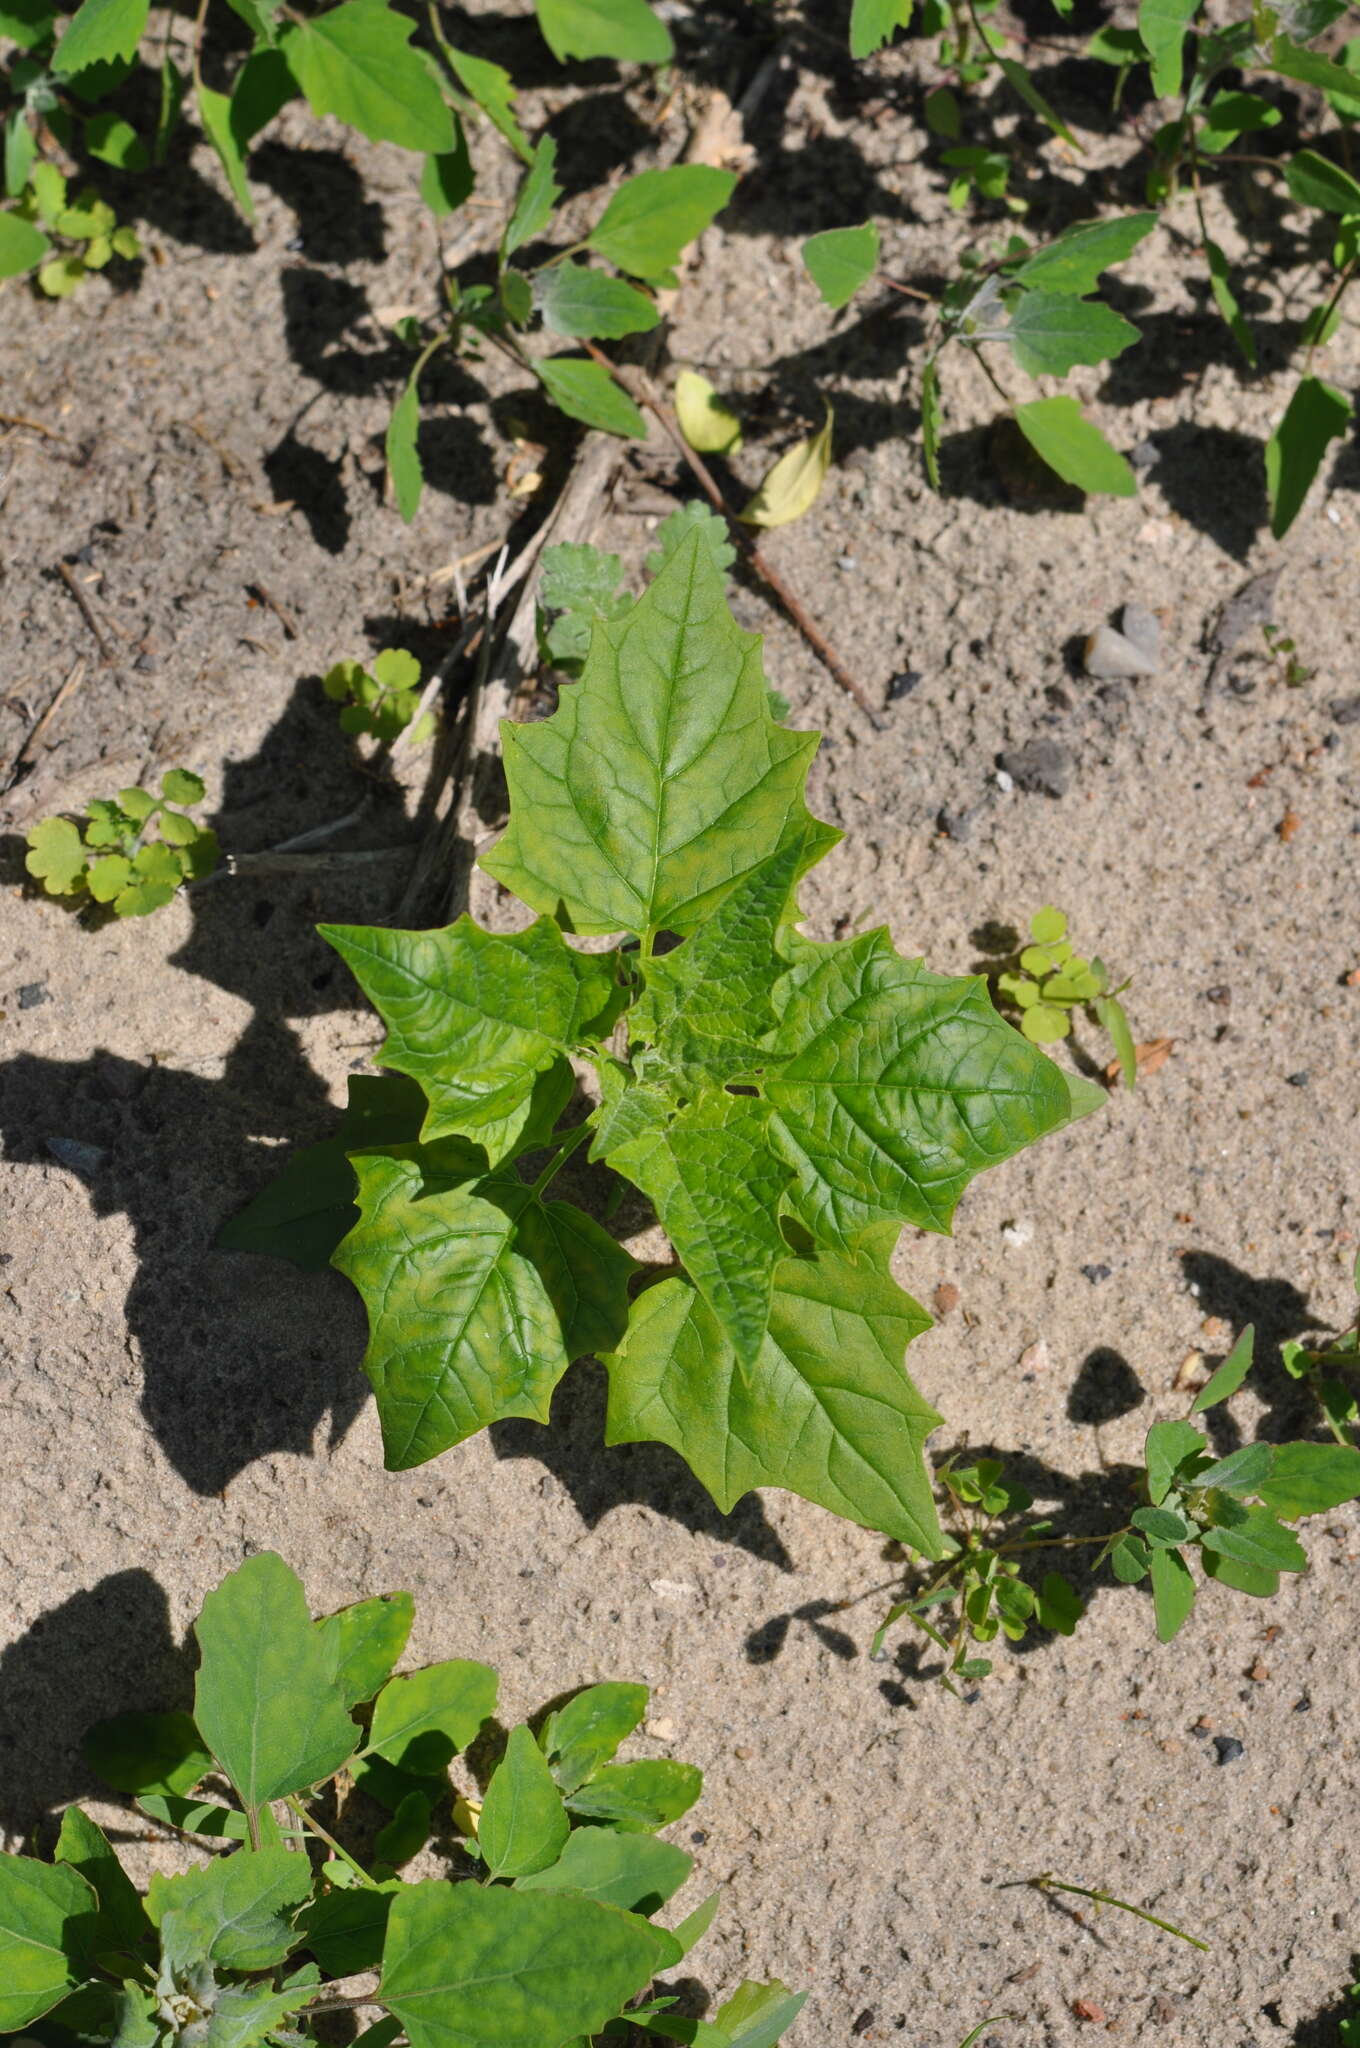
567	1145
1046	1883
295	1806
1333	302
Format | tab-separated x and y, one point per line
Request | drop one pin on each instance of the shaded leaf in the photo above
624	29
147	1753
1076	450
422	1720
403	457
793	485
1316	414
587	392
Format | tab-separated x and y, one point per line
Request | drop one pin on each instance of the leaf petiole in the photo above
324	1835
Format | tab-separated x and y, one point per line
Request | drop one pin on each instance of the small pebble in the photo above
846	562
1109	654
1087	2009
1041	768
81	1158
1228	1749
1095	1274
1303	1706
956	825
1220	994
1259	1673
903	683
864	2021
1143	628
945	1299
1345	710
1018	1232
660	1731
1299	1080
32	993
1004	782
1036	1357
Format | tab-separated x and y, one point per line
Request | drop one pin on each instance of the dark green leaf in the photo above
1261	1582
1309	67
468	1967
1161	1527
1307	1479
645	1795
1314	181
28	23
447	181
840	260
406	1834
1075	261
147	1753
1230	114
585	1271
1076	450
931	422
624	29
652	217
264	86
587	392
1258	1540
1168	1446
1229	1376
1051	332
523	1826
1241	1472
355	61
585	1733
579	301
423	1720
364	1641
196	1816
676	528
125	1926
114	141
1220	283
1021	82
345	1930
1129	1560
1173	1592
265	1702
1163	24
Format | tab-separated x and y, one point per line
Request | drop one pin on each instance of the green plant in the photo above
539	1935
1050	981
111	860
66	239
1348	2033
1319	1366
1282	650
1233	1514
380	701
785	1106
1038	304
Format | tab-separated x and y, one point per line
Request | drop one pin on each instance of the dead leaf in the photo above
1353	978
1188	1372
1155	1053
1087	2009
945	1299
1289	825
719	139
1024	1976
792	486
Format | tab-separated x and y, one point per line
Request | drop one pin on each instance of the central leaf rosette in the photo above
785	1106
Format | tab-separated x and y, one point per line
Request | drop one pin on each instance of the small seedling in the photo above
541	1929
1282	650
70	238
784	1106
1046	1883
1235	1515
580	588
382	701
110	860
1050	981
1319	1365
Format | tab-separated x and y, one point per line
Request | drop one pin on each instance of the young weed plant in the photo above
110	859
784	1106
541	1932
1050	981
1234	1515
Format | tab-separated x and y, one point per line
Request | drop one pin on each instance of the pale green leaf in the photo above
707	423
1076	450
462	1329
215	110
236	1912
584	303
56	856
265	1701
585	1733
646	1794
99	32
1075	261
634	1871
364	1641
1308	1479
758	2015
494	91
1229	1376
1173	1592
676	528
472	1967
651	218
403	455
710	1174
874	22
1051	332
661	778
1310	67
425	1718
840	260
623	29
895	1086
1162	24
523	1825
476	1017
1315	181
355	61
794	484
827	1410
1315	416
245	2015
44	1910
1258	1541
537	197
1168	1446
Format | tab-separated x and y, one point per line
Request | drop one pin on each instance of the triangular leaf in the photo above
364	1641
636	1872
523	1825
356	61
423	1719
624	29
236	1913
46	1911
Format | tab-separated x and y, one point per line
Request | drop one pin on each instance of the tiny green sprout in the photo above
1349	2031
1283	652
382	701
1050	981
73	236
110	860
1320	1367
1046	1883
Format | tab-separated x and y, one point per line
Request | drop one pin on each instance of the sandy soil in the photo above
217	429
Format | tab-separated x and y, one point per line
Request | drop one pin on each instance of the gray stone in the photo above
1143	628
1041	768
83	1159
1111	654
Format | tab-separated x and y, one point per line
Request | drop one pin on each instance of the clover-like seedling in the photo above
1234	1514
72	237
783	1106
1051	981
110	860
541	1928
382	701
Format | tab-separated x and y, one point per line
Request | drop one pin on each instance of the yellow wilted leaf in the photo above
792	486
710	427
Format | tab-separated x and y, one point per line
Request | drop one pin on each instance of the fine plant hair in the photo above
540	1926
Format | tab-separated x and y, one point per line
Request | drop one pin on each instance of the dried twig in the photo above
72	582
19	419
285	618
24	758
